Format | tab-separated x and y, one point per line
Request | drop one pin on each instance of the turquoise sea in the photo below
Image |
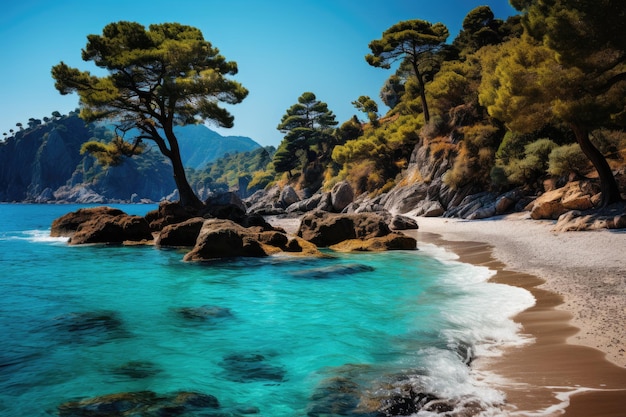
269	337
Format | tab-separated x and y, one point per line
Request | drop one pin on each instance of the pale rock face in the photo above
341	195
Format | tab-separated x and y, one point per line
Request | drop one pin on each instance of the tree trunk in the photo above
420	81
608	184
188	197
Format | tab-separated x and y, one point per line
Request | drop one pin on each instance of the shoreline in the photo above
576	365
567	370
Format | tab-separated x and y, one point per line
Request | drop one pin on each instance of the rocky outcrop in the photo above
112	229
67	224
392	241
183	234
612	217
576	195
327	229
220	238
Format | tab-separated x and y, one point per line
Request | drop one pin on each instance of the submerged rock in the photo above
136	370
89	326
332	271
203	313
251	367
142	403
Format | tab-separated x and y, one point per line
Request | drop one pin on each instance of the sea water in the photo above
265	336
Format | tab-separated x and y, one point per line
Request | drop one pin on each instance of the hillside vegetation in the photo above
504	105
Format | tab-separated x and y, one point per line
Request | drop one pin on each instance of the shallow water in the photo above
266	335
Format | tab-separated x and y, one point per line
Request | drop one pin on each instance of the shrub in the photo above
567	159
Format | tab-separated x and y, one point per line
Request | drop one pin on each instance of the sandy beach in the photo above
576	364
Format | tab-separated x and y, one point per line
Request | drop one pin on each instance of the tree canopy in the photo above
160	77
569	68
416	42
308	126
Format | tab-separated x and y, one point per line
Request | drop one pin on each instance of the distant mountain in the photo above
200	145
43	164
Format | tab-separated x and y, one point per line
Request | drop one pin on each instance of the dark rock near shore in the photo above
325	229
180	234
225	239
112	229
168	213
67	224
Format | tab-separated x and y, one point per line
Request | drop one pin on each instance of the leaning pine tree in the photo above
158	78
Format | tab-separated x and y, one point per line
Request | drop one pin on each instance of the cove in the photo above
275	337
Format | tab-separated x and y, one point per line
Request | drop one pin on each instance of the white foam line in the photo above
565	401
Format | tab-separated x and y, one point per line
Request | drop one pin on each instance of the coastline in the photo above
577	364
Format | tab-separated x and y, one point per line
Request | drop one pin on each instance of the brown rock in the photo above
180	234
112	229
325	229
168	213
224	239
67	224
393	241
547	210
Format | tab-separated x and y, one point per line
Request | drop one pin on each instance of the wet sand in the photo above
554	375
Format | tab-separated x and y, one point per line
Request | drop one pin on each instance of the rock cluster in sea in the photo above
223	228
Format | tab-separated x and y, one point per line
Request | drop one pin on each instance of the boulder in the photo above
428	208
67	224
180	234
106	228
392	241
226	205
611	217
265	202
405	199
575	195
400	222
168	213
320	201
341	195
288	196
551	210
222	238
325	229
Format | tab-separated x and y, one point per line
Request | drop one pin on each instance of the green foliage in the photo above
226	171
376	157
165	75
534	164
567	159
416	43
113	152
309	137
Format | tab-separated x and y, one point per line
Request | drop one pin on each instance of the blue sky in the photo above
282	48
